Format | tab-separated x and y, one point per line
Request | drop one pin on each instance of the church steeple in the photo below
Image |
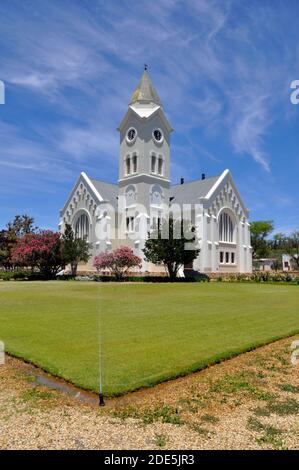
144	138
145	91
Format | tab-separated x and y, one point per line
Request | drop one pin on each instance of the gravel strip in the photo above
249	402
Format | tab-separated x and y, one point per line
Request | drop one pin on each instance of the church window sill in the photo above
227	243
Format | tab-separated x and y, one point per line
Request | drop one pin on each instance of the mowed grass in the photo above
149	332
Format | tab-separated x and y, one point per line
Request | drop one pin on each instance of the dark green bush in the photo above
270	277
164	279
13	275
22	275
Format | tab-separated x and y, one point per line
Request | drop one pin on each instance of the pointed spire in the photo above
145	91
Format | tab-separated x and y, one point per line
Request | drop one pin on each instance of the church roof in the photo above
108	191
188	193
145	91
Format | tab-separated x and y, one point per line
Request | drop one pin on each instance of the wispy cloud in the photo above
85	50
222	68
78	142
249	127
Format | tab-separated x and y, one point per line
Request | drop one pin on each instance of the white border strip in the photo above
215	185
87	180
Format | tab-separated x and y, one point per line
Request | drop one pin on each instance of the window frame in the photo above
128	165
130	224
154	167
226	227
81	229
134	163
160	169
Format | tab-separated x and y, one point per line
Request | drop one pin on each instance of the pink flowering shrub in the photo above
118	262
39	250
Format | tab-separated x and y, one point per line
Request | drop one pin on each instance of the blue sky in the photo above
222	69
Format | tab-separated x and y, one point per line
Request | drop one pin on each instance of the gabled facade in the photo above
110	215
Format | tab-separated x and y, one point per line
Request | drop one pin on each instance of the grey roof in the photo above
108	191
145	91
188	193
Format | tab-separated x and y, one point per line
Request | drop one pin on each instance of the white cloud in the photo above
249	127
84	58
34	81
79	142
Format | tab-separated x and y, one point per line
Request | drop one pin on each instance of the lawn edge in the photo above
194	368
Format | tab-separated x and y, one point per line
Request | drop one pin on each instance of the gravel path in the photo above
249	402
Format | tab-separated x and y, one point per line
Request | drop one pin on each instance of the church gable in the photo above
140	115
224	194
83	198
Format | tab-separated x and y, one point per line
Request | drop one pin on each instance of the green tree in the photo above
74	249
260	230
279	241
15	229
7	243
173	245
21	225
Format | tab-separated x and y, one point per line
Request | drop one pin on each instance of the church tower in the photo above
144	161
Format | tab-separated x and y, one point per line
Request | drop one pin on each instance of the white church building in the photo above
113	215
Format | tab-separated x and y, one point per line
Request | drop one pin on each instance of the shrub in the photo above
154	279
118	262
22	275
39	250
11	275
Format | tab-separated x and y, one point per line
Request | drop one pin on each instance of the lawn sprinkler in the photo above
101	399
101	396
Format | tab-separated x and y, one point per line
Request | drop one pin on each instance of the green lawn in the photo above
149	332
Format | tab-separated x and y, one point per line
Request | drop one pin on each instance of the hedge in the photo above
267	277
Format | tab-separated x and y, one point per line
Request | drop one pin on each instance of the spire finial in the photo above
145	91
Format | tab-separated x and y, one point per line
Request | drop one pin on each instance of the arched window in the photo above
160	166
82	226
130	195
128	165
134	163
156	195
153	163
226	228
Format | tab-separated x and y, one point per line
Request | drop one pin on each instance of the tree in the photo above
278	246
39	250
7	242
21	225
118	262
74	249
168	245
278	241
15	229
260	230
